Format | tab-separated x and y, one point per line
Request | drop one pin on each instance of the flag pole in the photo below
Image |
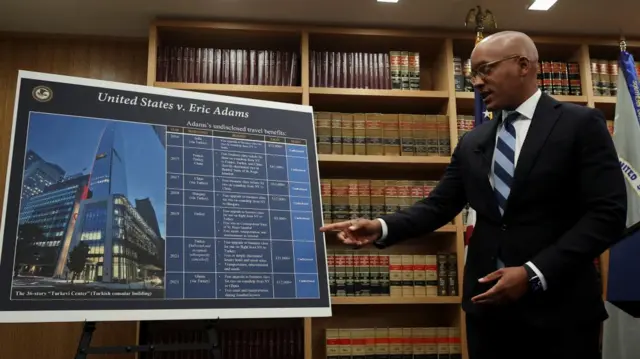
481	20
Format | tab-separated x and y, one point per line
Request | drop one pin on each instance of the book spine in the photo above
407	142
364	199
331	267
373	134
347	134
324	136
395	275
407	275
404	70
414	71
443	274
391	135
359	134
395	343
336	133
431	275
382	343
325	193
444	135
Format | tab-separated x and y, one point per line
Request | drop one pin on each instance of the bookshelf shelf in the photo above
382	101
449	228
394	300
576	70
464	95
604	99
377	93
369	166
582	100
397	160
290	94
229	87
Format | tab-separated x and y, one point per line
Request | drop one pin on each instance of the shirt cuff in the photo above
539	274
384	228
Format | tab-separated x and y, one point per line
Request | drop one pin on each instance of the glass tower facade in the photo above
109	174
38	175
45	228
123	247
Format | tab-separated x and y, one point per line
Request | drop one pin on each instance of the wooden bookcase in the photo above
437	95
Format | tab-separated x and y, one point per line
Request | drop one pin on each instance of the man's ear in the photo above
526	66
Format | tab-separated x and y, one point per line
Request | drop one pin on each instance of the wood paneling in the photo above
99	58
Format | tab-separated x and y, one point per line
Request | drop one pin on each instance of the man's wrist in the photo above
536	278
384	229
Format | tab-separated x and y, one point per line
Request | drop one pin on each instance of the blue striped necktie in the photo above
504	165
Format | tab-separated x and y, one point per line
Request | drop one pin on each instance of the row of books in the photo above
382	134
396	70
394	343
342	134
554	77
344	199
240	343
227	66
369	273
465	123
604	75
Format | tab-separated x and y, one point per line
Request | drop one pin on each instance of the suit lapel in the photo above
544	118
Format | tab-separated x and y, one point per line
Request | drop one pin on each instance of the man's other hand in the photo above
358	232
512	283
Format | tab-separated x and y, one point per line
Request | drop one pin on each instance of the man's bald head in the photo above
510	43
506	67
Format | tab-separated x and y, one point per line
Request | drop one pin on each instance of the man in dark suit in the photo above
545	181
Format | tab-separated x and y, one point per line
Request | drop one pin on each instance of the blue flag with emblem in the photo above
480	113
621	332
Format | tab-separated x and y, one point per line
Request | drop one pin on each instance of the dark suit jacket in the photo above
567	205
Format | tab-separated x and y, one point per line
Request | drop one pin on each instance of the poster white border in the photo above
41	316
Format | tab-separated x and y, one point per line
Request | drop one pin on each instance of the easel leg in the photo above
85	340
214	339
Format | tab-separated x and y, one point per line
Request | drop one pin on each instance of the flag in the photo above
621	331
480	115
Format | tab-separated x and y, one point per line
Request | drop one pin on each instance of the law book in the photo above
336	133
359	134
407	141
374	134
347	134
324	136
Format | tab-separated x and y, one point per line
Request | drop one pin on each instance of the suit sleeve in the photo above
603	204
444	202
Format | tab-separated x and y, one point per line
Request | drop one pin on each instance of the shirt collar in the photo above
528	107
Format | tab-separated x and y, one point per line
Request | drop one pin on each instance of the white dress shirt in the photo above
521	125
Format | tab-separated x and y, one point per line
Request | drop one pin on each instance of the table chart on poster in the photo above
239	220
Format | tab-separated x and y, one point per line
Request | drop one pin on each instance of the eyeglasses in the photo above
485	69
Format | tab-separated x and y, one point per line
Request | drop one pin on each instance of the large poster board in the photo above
127	202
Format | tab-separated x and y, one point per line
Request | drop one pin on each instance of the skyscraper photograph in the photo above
92	205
